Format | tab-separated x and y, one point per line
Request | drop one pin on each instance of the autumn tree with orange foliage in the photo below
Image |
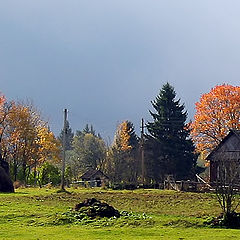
216	113
123	135
122	160
26	141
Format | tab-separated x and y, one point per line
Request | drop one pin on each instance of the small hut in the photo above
226	157
95	178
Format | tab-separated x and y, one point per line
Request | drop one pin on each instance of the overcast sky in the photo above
105	60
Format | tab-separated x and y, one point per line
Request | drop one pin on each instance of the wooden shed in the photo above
226	157
95	177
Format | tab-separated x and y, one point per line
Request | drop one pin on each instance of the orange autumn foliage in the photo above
216	113
27	139
2	100
49	146
123	136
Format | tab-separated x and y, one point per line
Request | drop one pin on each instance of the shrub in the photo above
49	173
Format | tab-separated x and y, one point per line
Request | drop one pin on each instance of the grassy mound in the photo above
93	208
94	212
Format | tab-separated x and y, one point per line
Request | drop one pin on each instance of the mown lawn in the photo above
33	214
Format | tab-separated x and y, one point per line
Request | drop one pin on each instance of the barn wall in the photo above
227	151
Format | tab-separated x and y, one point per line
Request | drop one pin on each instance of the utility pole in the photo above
64	149
142	151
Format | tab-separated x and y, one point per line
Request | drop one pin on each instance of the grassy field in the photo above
156	214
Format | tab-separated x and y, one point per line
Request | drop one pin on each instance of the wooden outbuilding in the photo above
95	178
226	157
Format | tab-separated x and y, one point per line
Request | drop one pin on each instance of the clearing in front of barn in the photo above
33	213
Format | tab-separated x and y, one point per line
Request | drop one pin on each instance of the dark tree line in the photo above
168	148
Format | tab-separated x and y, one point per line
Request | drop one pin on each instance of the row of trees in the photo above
171	145
168	148
168	144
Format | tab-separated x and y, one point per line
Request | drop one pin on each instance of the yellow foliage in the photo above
27	138
123	137
49	146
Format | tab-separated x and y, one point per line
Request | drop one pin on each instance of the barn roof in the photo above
91	172
230	134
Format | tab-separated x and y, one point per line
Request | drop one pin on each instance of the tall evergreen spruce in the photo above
171	148
69	136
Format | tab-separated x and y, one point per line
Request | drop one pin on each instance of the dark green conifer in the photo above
168	139
69	136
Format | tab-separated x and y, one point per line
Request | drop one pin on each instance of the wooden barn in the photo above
225	158
95	177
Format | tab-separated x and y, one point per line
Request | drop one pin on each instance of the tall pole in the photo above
142	151
64	149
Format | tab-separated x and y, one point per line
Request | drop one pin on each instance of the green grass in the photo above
32	213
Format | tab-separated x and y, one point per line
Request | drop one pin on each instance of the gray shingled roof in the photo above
231	132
